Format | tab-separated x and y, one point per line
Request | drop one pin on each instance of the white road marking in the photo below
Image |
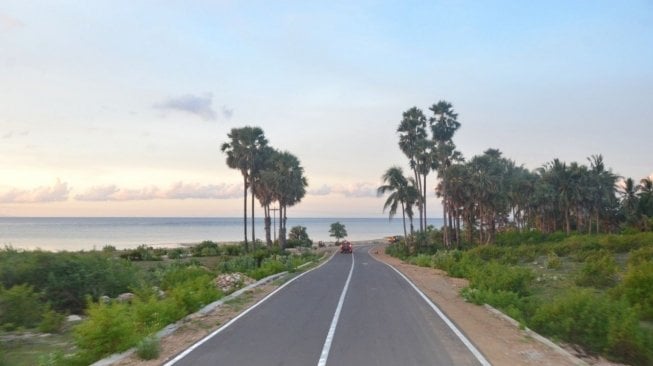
332	329
470	346
217	331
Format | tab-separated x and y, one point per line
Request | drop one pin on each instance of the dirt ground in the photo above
500	342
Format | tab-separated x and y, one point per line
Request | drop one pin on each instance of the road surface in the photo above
353	310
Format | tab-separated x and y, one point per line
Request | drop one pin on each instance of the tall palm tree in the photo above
242	153
265	186
290	187
444	125
414	144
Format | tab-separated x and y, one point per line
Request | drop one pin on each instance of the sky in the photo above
119	108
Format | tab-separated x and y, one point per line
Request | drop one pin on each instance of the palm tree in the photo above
397	185
264	188
646	197
629	199
414	144
444	125
290	187
242	152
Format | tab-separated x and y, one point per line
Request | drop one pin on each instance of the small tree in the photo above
299	237
338	231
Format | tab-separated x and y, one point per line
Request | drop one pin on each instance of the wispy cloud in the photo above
11	134
59	191
8	23
201	106
178	190
227	113
360	189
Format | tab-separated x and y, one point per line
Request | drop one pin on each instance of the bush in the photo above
298	237
109	328
205	249
595	322
641	255
553	261
148	348
51	322
268	268
20	306
509	302
142	253
637	287
176	253
421	260
499	277
233	250
599	270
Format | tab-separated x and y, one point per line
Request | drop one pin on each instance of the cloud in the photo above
321	191
11	134
201	106
178	191
227	113
56	193
361	189
8	23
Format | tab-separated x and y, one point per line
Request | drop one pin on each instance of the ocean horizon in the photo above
93	233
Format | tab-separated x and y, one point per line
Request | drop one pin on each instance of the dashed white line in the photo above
334	322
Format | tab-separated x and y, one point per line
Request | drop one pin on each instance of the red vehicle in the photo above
345	247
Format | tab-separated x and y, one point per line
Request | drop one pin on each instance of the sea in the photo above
94	233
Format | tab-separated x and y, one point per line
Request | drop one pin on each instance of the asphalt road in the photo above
382	321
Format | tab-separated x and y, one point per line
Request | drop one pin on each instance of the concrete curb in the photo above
171	328
545	341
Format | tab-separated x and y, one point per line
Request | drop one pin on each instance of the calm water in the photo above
89	233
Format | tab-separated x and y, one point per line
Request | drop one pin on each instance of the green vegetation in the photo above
148	348
592	290
298	237
37	290
338	231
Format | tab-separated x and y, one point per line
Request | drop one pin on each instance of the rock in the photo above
231	281
126	297
105	299
73	318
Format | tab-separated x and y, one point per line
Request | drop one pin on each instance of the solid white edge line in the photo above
470	346
334	322
217	331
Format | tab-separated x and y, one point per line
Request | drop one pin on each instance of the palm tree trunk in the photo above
253	223
268	221
418	181
245	211
403	213
445	233
424	188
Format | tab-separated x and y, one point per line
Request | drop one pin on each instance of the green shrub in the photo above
595	322
509	302
637	287
148	348
244	264
500	277
176	253
142	253
109	328
20	306
268	268
421	260
233	250
641	255
599	270
205	249
446	260
51	321
553	261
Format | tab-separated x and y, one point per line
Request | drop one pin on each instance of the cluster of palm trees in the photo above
270	175
428	144
490	193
